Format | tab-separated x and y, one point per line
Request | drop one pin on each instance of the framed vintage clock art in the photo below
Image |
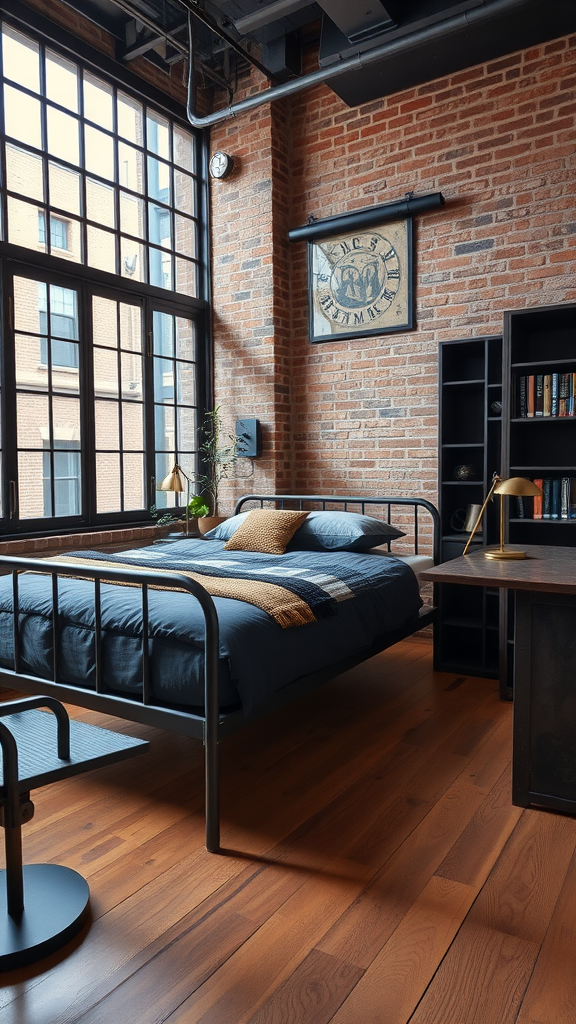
360	282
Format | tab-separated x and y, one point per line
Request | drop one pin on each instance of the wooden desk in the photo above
544	745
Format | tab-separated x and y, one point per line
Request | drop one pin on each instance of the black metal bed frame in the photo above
213	723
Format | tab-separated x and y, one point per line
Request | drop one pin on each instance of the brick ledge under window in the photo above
71	541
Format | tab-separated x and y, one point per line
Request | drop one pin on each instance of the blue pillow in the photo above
342	531
225	530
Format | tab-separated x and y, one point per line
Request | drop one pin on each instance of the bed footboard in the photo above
144	710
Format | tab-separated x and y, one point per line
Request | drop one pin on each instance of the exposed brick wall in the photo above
498	141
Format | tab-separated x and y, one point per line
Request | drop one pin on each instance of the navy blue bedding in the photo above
257	656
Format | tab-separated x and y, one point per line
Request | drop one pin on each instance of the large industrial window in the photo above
102	371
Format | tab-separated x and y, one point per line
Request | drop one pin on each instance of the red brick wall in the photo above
499	142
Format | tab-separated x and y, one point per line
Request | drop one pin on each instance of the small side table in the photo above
42	906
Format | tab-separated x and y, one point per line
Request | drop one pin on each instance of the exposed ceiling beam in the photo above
267	15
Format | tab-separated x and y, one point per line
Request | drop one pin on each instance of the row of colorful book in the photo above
558	500
547	394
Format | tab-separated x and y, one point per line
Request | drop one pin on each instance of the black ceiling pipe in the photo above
410	206
360	60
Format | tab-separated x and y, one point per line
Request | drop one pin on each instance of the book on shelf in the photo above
547	401
556	498
554	402
565	497
546	394
547	498
530	395
557	501
539	395
564	388
537	510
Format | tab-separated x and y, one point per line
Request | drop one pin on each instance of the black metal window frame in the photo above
86	291
17	260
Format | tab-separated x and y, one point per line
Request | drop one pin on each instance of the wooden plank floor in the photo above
374	871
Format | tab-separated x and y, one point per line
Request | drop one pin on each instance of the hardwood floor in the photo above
374	871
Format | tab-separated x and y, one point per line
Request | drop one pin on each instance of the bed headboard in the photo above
380	507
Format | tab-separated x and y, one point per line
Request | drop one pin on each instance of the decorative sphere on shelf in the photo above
464	472
496	408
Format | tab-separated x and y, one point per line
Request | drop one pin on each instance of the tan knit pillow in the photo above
267	530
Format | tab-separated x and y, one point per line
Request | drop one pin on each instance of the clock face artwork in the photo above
360	282
220	165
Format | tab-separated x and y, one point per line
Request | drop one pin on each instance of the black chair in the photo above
42	906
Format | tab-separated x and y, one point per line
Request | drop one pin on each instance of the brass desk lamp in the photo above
517	486
177	481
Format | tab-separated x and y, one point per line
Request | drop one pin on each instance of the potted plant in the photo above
218	452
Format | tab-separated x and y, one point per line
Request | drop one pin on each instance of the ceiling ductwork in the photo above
367	49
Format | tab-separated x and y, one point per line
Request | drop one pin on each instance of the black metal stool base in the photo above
56	906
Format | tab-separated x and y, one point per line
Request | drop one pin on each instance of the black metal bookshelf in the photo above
470	376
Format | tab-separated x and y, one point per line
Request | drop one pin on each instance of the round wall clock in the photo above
220	164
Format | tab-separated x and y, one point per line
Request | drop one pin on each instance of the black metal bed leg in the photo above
14	872
212	786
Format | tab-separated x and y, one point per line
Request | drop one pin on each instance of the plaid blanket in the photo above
294	588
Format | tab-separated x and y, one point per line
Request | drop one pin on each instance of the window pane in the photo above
130	119
28	352
98	101
185	230
65	356
131	215
130	167
187	429
133	482
185	381
61	81
159	175
106	421
105	374
22	117
66	483
100	203
186	277
29	301
99	153
159	228
185	338
164	428
104	321
30	495
63	136
184	149
184	193
63	312
164	464
163	380
64	188
32	420
158	134
66	419
20	57
131	365
24	220
160	268
163	333
130	327
132	429
132	262
107	482
186	384
101	249
24	172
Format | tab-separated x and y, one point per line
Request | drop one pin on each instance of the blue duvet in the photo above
257	656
